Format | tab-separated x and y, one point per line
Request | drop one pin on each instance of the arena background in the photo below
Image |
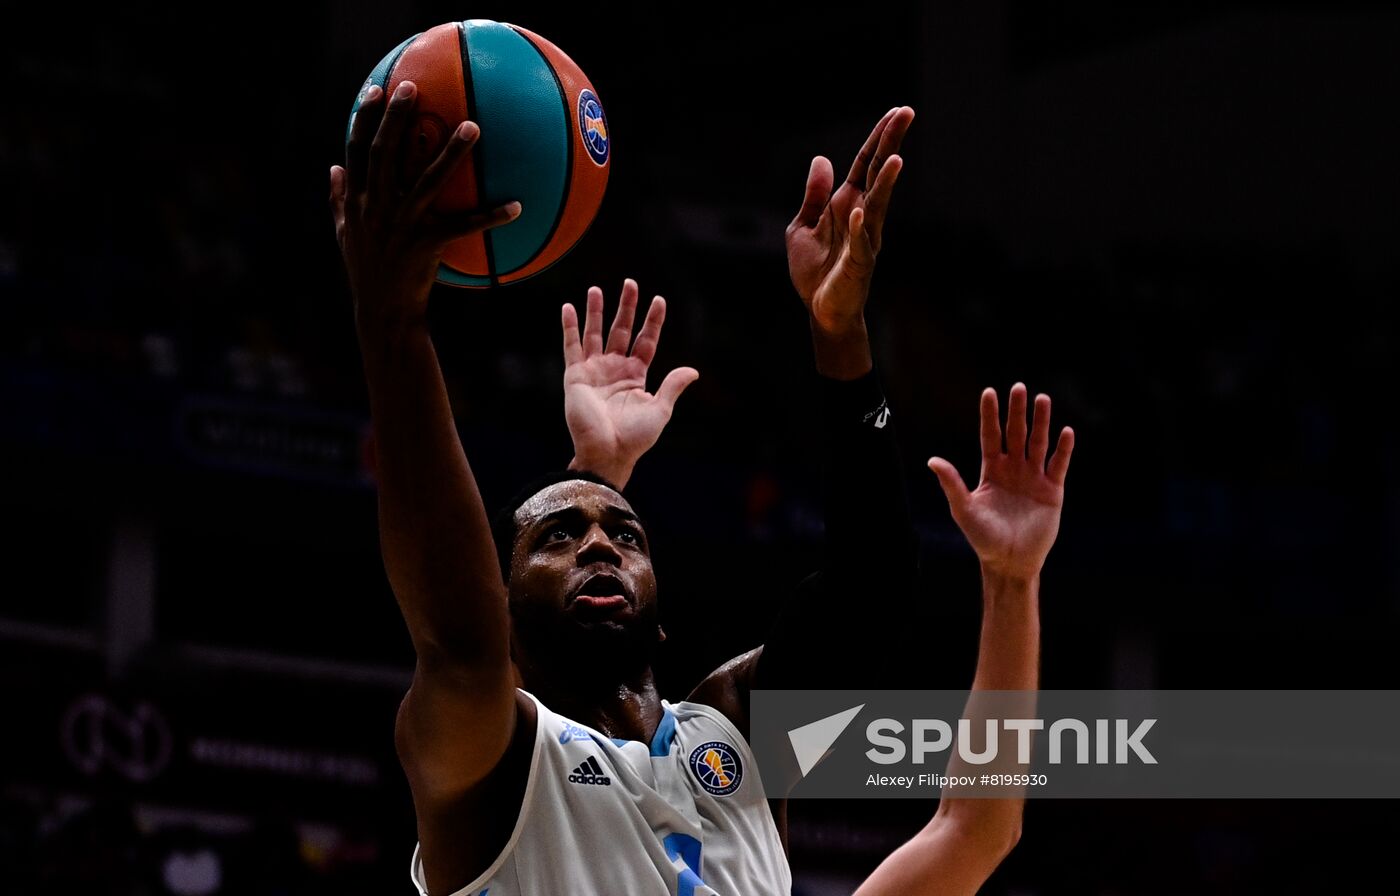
1178	219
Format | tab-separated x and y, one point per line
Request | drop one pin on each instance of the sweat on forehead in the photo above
562	495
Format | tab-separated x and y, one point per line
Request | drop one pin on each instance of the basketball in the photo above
544	142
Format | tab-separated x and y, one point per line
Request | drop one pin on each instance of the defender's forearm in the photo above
1008	659
615	469
842	353
870	551
1008	656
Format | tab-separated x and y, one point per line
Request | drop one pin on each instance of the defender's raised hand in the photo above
612	418
833	241
390	235
1012	517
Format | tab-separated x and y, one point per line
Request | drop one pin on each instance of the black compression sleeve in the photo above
835	630
866	512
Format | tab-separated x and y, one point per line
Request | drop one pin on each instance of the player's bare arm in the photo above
460	714
1011	520
612	418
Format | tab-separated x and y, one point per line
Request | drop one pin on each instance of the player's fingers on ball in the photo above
337	200
650	336
1040	430
462	224
620	334
384	151
362	131
991	424
1059	464
337	191
1016	422
458	147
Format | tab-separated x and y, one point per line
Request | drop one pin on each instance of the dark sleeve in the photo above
838	629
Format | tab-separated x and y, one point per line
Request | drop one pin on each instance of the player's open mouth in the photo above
601	592
611	602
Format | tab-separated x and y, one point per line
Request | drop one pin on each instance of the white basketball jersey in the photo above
603	817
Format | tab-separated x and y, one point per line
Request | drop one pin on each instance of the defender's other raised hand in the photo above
612	418
833	241
1012	517
390	236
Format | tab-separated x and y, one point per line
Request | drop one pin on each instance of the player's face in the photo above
581	563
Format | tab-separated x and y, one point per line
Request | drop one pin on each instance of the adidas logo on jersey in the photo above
589	772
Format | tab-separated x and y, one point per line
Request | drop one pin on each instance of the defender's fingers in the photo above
620	336
858	241
1040	431
573	347
890	140
954	489
384	151
819	182
458	147
675	383
1016	422
877	201
593	323
1059	464
867	152
645	349
362	131
991	425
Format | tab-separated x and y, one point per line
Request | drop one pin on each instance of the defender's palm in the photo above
1012	517
833	240
606	404
612	418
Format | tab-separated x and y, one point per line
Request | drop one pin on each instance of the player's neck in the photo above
628	709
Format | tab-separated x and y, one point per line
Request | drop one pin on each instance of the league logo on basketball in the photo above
717	768
593	127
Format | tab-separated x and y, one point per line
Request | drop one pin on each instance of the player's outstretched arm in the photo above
613	420
1011	520
459	714
870	546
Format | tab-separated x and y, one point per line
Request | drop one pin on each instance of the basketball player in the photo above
1011	520
587	782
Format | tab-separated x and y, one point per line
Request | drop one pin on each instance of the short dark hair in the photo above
503	529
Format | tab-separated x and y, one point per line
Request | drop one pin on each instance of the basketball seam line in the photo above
569	125
476	152
388	76
389	73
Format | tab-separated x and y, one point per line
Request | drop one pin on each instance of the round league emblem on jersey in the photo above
593	126
716	766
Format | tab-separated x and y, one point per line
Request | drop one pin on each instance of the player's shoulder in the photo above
465	836
726	690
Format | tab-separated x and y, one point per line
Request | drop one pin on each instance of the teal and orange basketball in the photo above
544	141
